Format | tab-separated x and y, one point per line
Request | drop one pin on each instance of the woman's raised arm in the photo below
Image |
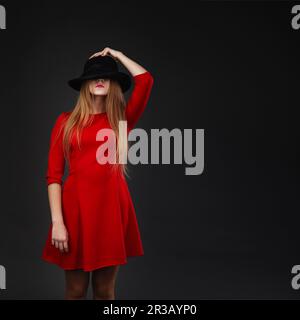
143	82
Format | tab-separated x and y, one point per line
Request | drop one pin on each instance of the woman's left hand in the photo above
107	51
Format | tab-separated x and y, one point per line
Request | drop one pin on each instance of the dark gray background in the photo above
227	67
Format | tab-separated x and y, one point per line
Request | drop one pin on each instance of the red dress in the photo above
97	208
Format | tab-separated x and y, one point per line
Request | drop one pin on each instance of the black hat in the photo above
101	67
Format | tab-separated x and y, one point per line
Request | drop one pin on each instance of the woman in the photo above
94	227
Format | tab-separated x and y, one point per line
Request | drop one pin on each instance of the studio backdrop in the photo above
216	197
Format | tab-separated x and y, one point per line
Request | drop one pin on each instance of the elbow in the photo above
148	81
52	179
150	78
144	78
54	173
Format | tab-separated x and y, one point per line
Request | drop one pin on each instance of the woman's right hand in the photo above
60	236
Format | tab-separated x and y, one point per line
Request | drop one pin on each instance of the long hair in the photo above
115	104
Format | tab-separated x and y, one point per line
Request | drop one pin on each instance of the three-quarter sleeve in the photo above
139	97
56	159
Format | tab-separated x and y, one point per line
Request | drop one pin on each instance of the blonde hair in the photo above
115	104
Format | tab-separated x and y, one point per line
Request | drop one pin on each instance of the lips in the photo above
99	86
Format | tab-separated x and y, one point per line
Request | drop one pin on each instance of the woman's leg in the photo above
77	282
103	283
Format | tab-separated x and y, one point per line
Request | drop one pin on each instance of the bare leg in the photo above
103	282
77	282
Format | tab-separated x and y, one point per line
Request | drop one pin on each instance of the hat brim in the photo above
123	79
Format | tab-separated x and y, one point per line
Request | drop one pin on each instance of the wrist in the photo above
119	55
57	222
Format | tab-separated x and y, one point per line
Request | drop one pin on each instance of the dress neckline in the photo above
98	114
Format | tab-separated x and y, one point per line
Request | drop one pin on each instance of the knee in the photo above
76	291
104	292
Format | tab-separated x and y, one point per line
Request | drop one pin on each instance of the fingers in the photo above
105	51
61	245
97	54
65	246
94	55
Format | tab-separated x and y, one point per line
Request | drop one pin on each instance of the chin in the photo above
99	94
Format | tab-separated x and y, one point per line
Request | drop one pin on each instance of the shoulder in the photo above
63	116
67	113
61	119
